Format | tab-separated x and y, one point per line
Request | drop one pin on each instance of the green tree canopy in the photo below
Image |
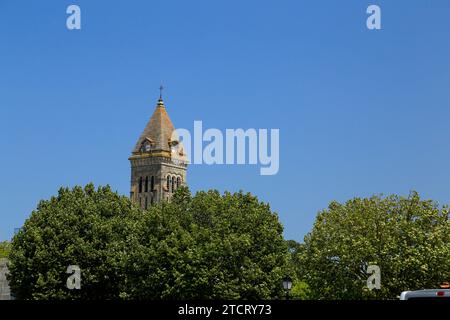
208	247
84	227
300	289
5	247
408	238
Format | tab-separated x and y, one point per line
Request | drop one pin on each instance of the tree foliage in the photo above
408	238
300	289
207	246
5	248
84	227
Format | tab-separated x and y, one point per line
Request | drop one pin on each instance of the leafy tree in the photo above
85	227
208	247
295	250
5	247
300	291
408	238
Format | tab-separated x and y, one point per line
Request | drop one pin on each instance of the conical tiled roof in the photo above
158	131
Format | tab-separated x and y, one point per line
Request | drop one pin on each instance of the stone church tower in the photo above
158	162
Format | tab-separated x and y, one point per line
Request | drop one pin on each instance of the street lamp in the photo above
287	285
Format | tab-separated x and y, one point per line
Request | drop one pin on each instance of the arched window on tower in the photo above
173	184
146	184
152	183
178	182
168	183
140	185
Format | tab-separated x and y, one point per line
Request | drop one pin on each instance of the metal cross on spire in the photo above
161	88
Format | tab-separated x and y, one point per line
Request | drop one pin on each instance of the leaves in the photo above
85	227
209	246
5	248
408	238
204	246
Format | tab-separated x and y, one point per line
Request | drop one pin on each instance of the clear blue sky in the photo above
359	112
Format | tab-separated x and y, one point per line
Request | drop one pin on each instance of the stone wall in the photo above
160	168
5	293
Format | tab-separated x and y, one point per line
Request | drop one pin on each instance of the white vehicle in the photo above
428	294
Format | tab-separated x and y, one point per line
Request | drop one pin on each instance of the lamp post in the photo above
287	285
